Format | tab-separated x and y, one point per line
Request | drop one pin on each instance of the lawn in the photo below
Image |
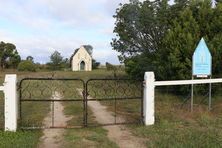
33	113
175	125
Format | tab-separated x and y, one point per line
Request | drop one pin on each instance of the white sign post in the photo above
201	66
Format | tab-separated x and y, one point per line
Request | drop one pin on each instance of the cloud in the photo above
38	27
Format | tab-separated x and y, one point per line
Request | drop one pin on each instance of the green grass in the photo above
108	90
84	137
96	137
174	126
88	137
20	139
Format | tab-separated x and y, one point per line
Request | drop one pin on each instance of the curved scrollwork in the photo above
44	88
114	88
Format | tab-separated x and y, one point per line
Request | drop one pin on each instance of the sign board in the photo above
202	60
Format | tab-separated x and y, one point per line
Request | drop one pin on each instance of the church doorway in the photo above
82	65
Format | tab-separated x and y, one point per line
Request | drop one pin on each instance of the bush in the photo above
26	66
110	67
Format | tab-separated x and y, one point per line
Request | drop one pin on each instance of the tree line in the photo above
10	58
156	36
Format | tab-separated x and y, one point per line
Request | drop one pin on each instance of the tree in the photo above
27	65
89	48
218	1
179	44
109	66
162	38
95	64
138	28
30	58
9	57
56	61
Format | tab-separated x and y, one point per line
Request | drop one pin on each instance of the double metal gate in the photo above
88	103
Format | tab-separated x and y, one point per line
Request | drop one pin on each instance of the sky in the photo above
39	27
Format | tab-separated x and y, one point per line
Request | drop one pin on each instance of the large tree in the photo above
179	44
9	57
140	28
161	37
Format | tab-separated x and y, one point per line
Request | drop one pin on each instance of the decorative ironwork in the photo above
41	89
100	89
114	93
45	92
124	97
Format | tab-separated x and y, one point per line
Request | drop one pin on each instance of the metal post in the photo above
191	100
85	97
209	107
52	103
115	110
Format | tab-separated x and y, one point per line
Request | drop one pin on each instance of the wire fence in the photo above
179	97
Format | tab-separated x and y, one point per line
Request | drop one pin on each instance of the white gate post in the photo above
148	100
11	102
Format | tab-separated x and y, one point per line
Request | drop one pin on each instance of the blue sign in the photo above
202	60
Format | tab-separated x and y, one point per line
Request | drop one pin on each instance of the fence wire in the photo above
179	97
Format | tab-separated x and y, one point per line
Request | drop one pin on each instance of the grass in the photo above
84	137
33	114
174	126
115	95
178	127
88	137
19	139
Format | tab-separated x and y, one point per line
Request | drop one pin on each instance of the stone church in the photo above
81	60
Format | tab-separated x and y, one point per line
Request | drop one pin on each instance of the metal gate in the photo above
123	98
41	98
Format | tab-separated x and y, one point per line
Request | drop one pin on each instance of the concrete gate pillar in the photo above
11	102
148	100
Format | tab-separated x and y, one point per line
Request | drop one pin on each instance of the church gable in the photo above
81	60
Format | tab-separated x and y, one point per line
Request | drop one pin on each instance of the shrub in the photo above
26	66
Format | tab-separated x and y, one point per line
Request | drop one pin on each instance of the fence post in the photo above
148	100
11	102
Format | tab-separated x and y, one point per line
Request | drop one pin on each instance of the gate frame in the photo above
10	96
114	98
51	100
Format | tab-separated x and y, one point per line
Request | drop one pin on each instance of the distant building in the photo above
81	60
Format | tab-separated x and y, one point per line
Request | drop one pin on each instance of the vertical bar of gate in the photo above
115	110
52	104
20	100
115	100
84	107
85	92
